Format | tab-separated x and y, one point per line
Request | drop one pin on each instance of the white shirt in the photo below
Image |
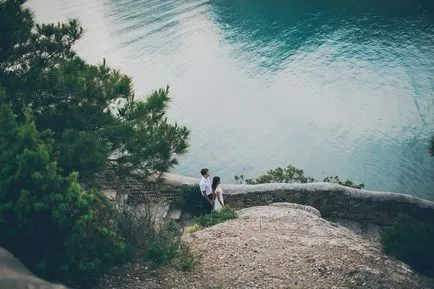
205	185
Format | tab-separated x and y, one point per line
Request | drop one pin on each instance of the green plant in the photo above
411	241
291	174
56	228
80	115
91	109
191	229
190	200
215	217
137	226
240	179
165	244
186	258
346	183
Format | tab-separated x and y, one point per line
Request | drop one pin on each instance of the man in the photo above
205	187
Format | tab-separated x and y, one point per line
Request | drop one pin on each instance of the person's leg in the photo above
209	207
205	206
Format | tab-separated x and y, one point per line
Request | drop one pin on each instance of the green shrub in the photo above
216	217
90	108
192	229
57	229
165	244
291	174
136	226
80	116
186	259
191	201
411	241
346	183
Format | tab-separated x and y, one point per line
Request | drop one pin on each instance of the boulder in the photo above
14	275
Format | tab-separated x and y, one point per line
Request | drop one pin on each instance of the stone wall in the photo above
133	190
333	201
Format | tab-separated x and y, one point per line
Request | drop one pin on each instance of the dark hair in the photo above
215	183
203	171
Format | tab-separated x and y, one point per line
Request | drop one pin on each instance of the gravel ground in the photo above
278	246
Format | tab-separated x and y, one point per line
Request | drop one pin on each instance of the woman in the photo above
217	193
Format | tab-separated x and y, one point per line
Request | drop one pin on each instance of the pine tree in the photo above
46	219
91	109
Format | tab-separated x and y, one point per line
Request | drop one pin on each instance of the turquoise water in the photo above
334	87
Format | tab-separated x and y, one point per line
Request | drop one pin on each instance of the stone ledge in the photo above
332	200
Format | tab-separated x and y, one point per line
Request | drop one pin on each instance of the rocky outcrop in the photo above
14	275
277	246
291	246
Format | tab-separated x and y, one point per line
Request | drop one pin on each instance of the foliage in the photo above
63	118
159	244
191	229
90	108
57	229
136	226
291	174
216	217
186	259
167	246
411	241
27	48
192	201
286	175
241	179
346	183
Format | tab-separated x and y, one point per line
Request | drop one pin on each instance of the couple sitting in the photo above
211	192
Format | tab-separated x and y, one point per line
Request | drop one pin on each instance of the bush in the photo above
192	201
93	246
57	229
137	227
91	109
346	183
80	115
411	241
291	174
165	244
191	229
186	259
216	217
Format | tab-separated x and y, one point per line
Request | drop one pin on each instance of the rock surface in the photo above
291	246
278	246
13	275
